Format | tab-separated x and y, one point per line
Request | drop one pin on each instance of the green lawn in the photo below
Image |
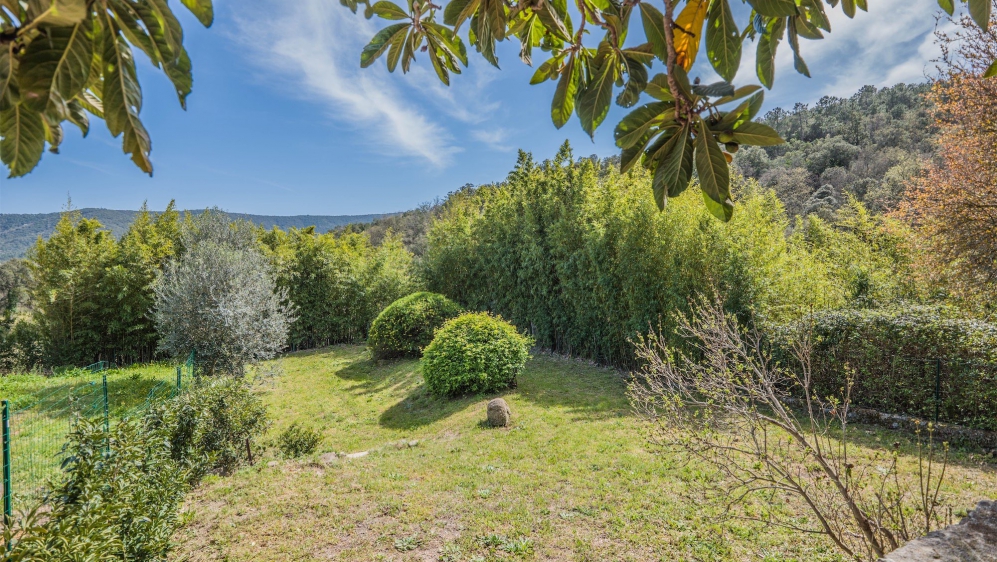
572	479
43	409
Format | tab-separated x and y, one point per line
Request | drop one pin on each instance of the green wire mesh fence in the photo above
34	430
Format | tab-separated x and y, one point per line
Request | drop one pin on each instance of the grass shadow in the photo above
587	391
420	408
368	376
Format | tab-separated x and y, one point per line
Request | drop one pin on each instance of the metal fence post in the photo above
8	503
179	378
938	387
107	424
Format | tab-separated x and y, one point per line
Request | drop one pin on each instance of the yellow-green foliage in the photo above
407	325
581	257
474	353
91	294
868	258
339	284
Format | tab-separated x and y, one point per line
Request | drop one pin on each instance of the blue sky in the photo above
283	120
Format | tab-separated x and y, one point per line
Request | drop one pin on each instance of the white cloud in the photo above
891	43
316	44
495	137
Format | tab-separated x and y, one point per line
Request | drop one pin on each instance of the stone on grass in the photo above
357	455
499	413
974	539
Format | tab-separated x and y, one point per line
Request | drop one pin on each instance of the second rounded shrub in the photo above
474	353
406	326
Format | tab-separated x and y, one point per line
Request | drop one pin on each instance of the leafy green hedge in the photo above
896	355
473	353
406	326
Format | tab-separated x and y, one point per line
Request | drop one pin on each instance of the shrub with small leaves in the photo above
118	498
473	353
297	440
406	326
214	423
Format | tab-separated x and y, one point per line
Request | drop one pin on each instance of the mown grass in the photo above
572	479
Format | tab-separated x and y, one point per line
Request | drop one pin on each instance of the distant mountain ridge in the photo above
19	231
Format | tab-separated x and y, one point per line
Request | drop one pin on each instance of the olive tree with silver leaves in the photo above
220	299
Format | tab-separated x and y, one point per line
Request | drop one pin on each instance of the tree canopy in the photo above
70	60
683	128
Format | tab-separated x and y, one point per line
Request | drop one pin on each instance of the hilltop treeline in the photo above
83	296
867	146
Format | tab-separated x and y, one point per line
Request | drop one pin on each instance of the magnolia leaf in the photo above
449	40
57	12
457	11
658	88
380	43
637	123
396	44
547	13
654	29
629	156
947	6
674	166
8	86
774	8
738	94
756	134
546	71
204	11
434	59
794	43
979	10
57	61
765	56
22	139
635	84
992	71
91	103
689	31
563	104
129	22
53	132
723	40
848	6
714	90
714	175
389	11
122	98
179	74
596	96
814	15
78	116
805	29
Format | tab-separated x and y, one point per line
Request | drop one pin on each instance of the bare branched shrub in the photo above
781	453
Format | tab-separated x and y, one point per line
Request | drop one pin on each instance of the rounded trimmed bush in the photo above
406	326
475	352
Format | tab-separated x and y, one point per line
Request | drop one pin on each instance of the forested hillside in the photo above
867	146
19	231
